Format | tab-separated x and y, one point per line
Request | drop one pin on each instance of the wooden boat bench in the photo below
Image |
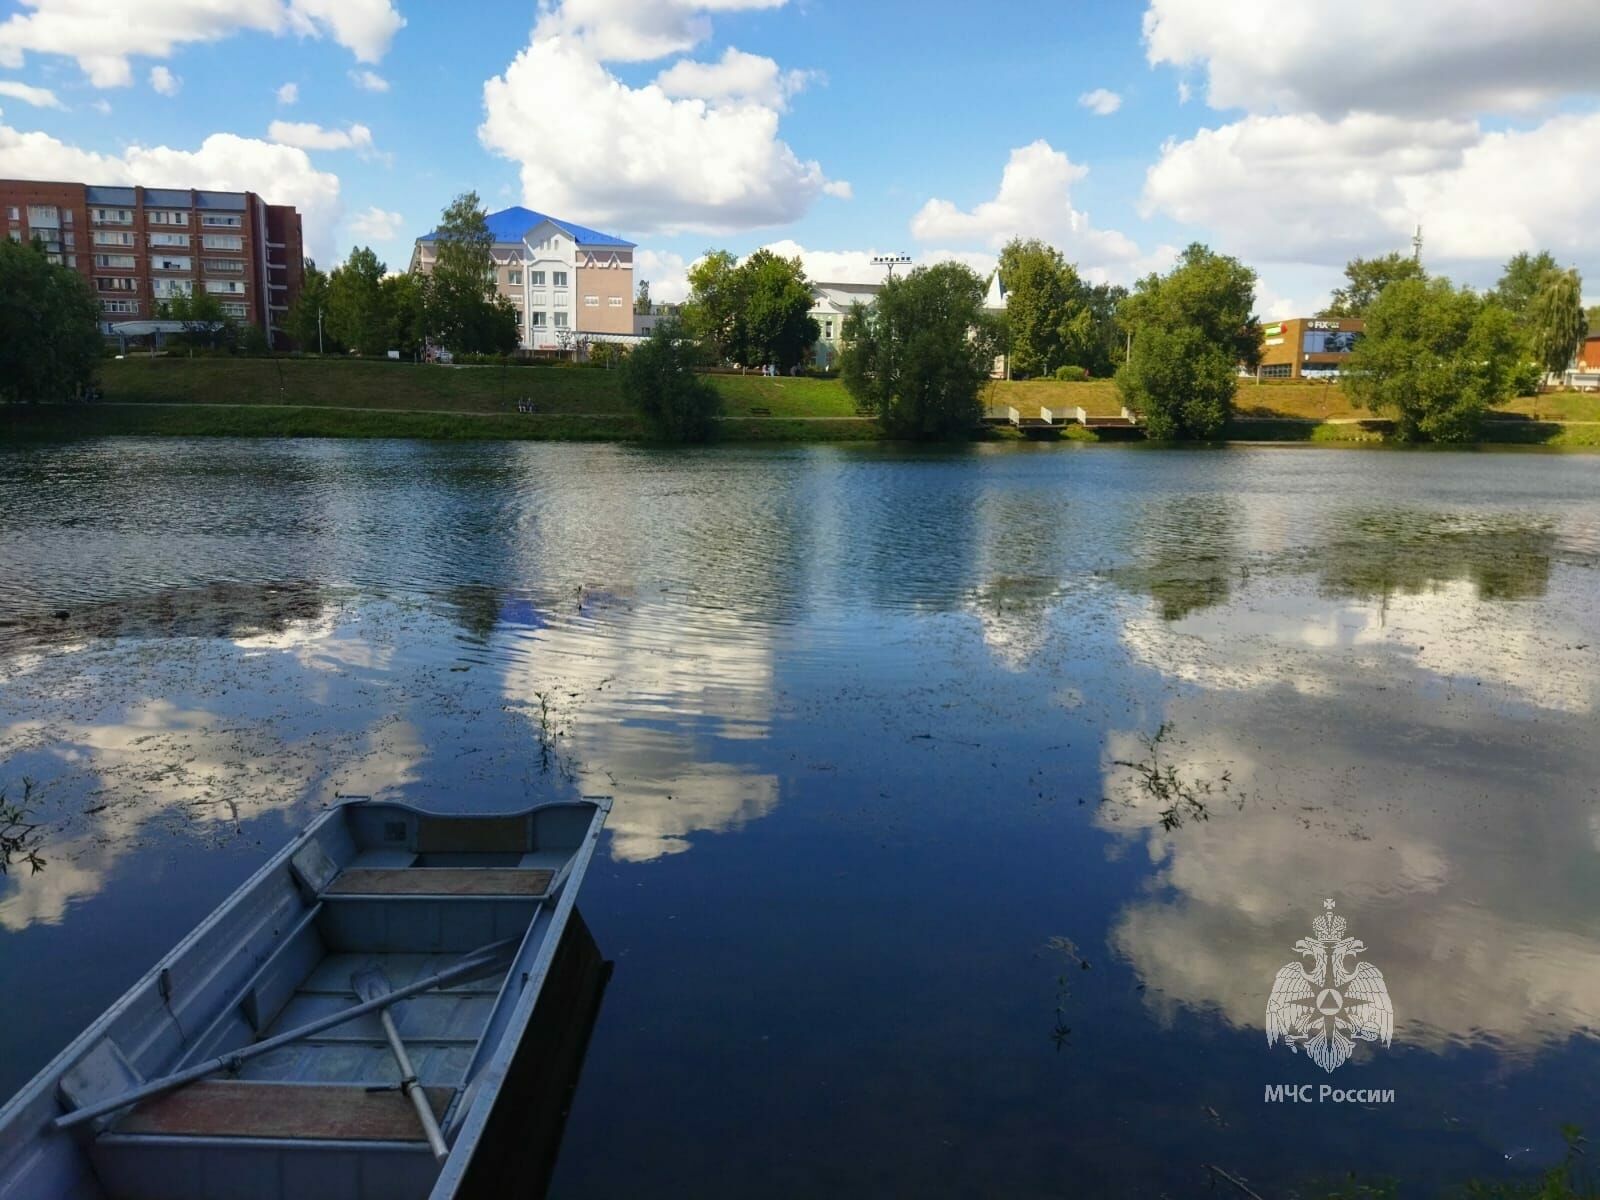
439	881
224	1108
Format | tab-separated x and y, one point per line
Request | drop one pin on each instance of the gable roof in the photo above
512	224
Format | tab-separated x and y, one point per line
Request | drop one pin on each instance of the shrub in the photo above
1071	374
659	381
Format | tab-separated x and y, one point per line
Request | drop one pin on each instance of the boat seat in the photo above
440	881
322	1112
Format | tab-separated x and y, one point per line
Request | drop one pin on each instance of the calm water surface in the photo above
894	904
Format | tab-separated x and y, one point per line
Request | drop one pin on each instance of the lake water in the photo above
967	804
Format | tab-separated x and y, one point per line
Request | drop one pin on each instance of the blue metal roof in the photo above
512	224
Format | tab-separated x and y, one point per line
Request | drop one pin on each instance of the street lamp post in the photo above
319	329
891	261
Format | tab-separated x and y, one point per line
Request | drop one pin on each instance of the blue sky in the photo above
835	129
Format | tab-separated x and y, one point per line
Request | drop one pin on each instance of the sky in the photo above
1293	134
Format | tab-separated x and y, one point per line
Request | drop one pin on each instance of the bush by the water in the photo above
660	383
1071	374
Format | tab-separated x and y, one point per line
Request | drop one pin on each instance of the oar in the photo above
480	962
370	984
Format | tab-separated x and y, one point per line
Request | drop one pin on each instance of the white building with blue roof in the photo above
568	283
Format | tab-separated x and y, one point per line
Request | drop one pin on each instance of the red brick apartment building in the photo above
139	246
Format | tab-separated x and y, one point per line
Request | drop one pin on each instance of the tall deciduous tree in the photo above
1556	321
50	343
711	314
464	313
1365	279
1434	358
919	358
405	305
1192	329
204	323
1043	306
1524	278
774	323
356	313
301	324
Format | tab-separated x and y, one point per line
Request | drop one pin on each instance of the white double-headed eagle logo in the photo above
1329	1008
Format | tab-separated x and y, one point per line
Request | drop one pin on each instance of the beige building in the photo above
568	283
830	304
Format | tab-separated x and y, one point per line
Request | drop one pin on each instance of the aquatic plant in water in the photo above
18	836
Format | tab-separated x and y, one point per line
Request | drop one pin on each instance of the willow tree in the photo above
1556	319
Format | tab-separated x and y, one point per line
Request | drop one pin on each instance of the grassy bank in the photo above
227	397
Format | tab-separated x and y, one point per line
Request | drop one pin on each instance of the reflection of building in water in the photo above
1451	836
1308	346
650	708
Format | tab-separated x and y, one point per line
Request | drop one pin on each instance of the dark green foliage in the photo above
659	383
1179	382
1071	374
50	341
301	322
1192	329
356	314
205	325
1053	317
1523	278
754	312
405	309
920	357
1434	358
464	313
1555	320
1365	279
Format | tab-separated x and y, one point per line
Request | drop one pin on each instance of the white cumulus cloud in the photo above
1101	102
164	81
289	93
1301	188
1434	57
37	96
309	136
636	30
735	78
104	37
1035	200
224	161
376	225
636	158
369	81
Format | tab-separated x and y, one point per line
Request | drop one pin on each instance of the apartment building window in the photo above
535	278
15	235
221	241
616	302
119	306
234	308
72	261
514	278
13	213
561	320
115	284
107	237
225	287
162	217
112	216
117	262
827	329
159	262
536	319
71	239
167	288
591	301
43	214
222	266
218	220
66	216
180	240
559	278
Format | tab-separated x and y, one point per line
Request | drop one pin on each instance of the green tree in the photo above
641	299
1556	321
1180	382
919	358
205	325
1097	344
1044	307
356	314
1434	358
711	314
1523	278
774	323
405	305
659	382
301	322
1211	292
1192	329
50	343
461	313
1365	279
